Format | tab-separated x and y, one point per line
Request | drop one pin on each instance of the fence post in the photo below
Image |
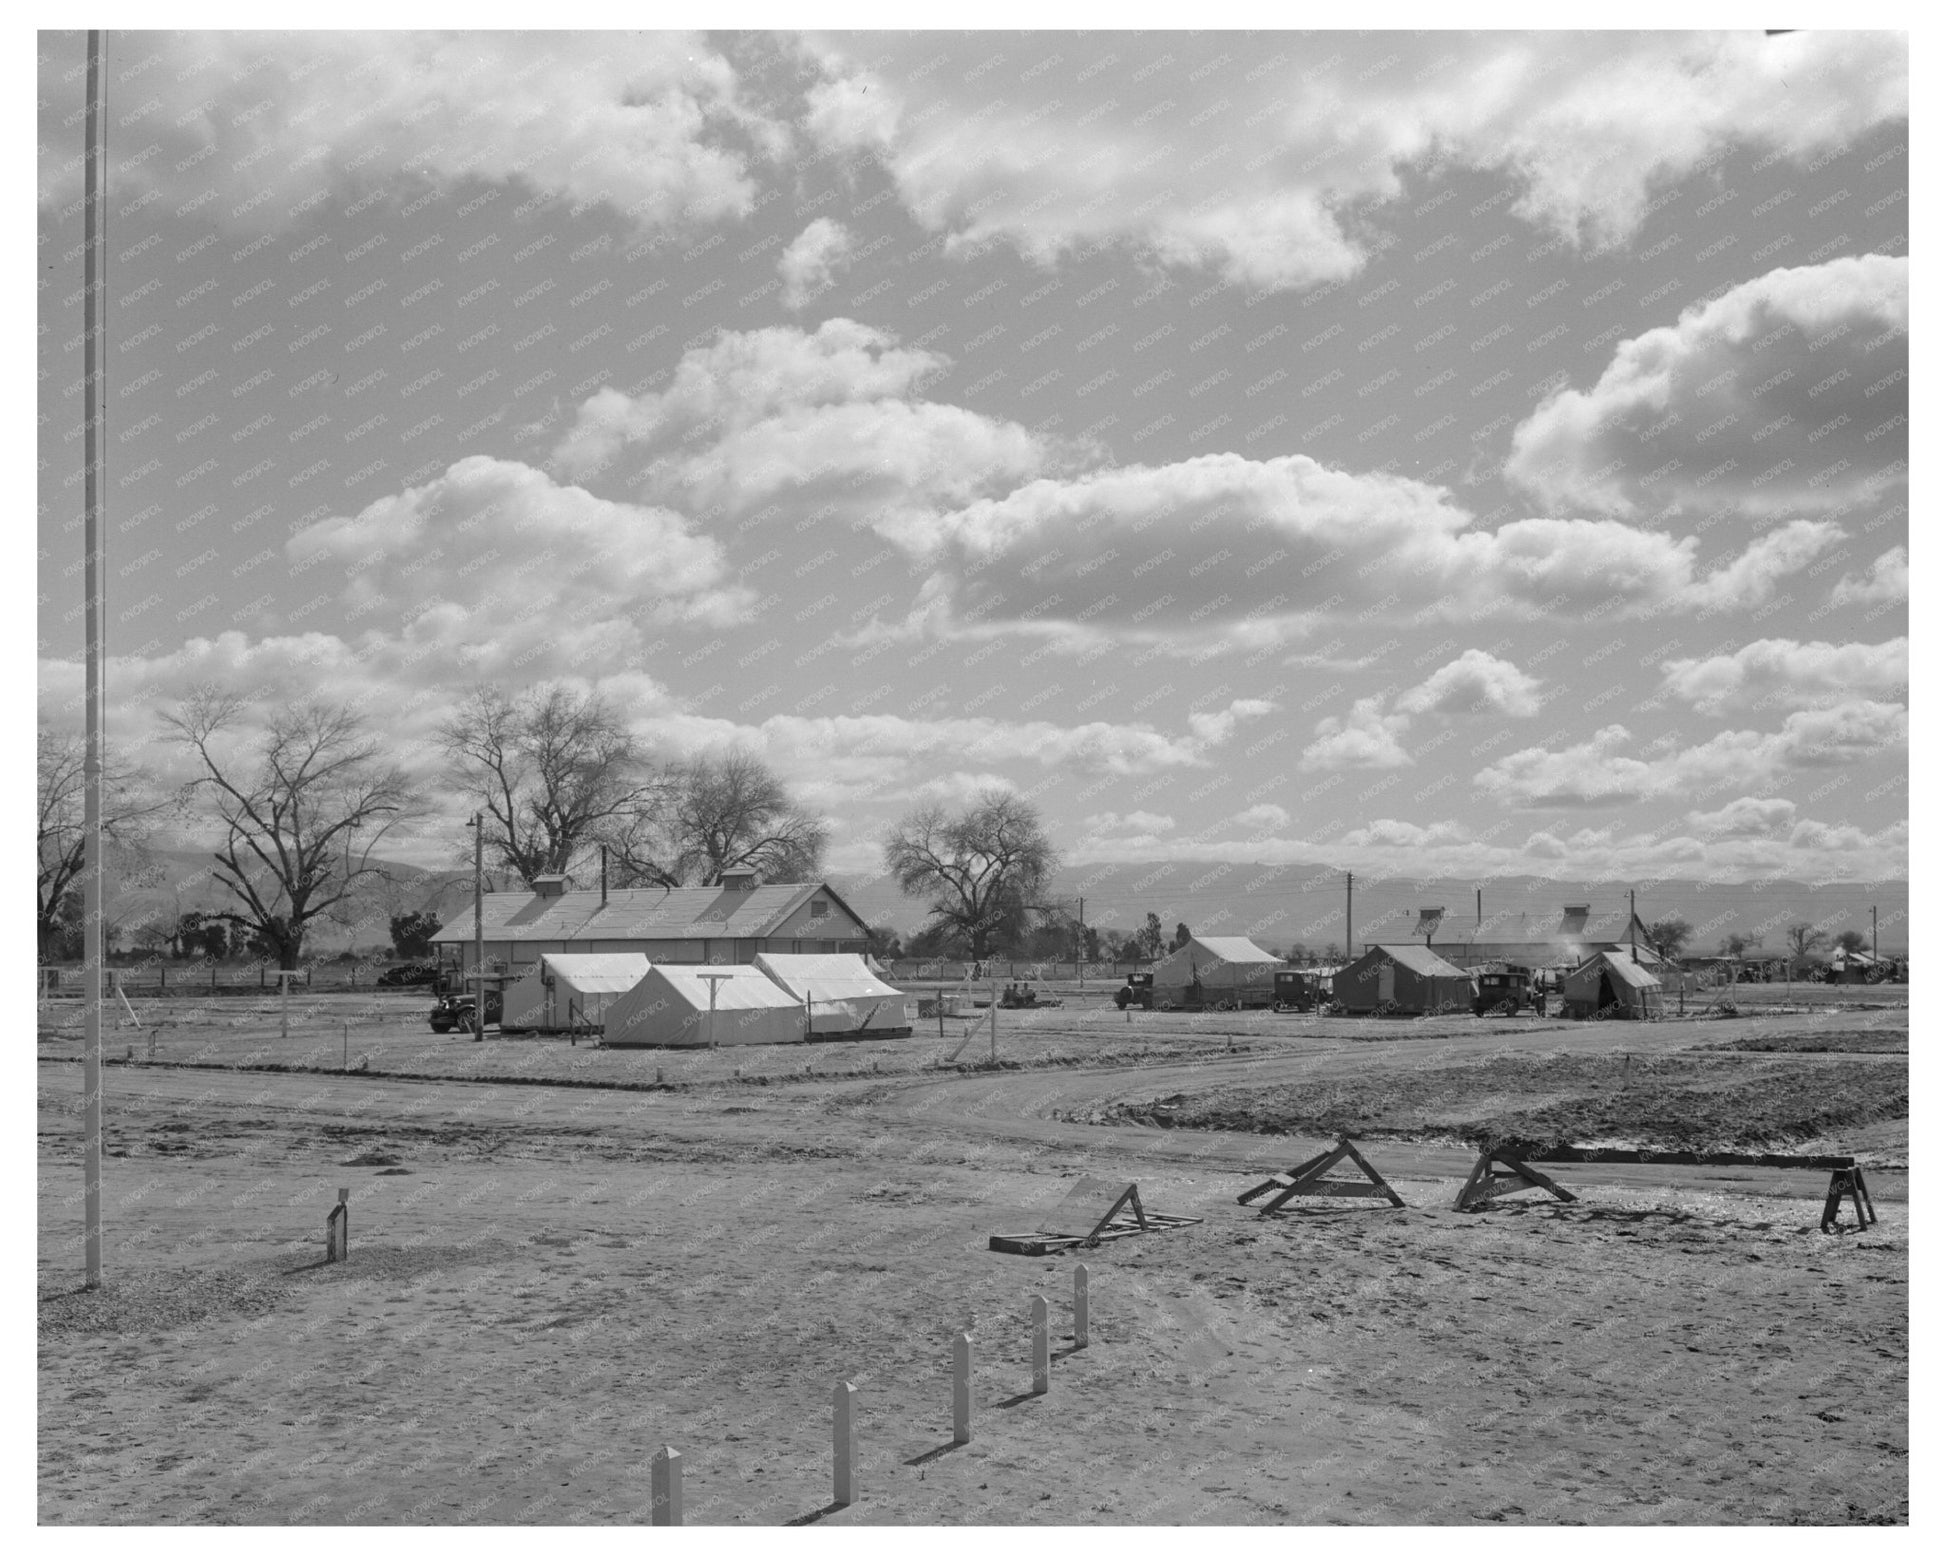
962	1388
844	1443
1081	1307
1037	1312
337	1230
665	1487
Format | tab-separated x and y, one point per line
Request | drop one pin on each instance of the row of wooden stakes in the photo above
666	1465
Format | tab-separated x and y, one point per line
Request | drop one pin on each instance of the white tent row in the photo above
570	991
840	995
780	999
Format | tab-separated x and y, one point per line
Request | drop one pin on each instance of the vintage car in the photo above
1139	991
456	1011
1502	991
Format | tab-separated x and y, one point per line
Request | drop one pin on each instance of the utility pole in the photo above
1349	958
94	248
479	928
1875	932
1081	940
1631	927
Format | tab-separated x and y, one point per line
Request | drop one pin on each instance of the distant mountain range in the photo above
1276	905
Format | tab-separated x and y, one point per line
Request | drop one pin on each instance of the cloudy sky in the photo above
1456	453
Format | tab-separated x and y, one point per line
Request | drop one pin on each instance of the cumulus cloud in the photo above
828	418
1747	816
811	263
1787	394
1888	582
651	124
1781	672
1053	148
1263	818
1474	683
492	544
1367	736
1602	771
1222	538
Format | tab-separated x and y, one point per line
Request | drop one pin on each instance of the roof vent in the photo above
1574	918
549	885
741	878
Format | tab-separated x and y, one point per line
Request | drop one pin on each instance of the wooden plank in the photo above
1617	1155
1340	1188
1281	1179
1470	1190
1302	1181
1373	1173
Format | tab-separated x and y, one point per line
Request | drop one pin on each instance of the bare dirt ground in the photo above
550	1281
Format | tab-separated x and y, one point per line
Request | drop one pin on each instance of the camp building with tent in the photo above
1408	979
1609	984
1224	966
565	992
731	922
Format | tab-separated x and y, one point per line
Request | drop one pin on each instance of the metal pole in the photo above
1348	950
479	930
93	251
1631	929
1874	932
1080	940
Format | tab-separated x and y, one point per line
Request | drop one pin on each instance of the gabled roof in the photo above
1422	960
606	972
1620	967
827	976
745	989
642	913
1234	948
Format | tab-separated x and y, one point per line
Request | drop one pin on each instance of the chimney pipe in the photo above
604	875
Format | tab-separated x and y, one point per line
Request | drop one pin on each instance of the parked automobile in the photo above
1139	991
456	1010
409	975
1504	991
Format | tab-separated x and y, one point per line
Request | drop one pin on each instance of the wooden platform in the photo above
1116	1210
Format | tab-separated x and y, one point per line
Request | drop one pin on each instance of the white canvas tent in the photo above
1609	984
1217	962
844	998
566	991
670	1008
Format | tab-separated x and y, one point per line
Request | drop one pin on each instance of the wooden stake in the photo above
665	1487
1081	1307
1037	1312
963	1388
337	1230
844	1444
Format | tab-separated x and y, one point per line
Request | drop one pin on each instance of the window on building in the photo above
819	907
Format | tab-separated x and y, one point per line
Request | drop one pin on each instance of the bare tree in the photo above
1804	940
128	813
555	772
302	806
732	811
978	871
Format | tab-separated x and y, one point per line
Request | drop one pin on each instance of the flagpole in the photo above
94	253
